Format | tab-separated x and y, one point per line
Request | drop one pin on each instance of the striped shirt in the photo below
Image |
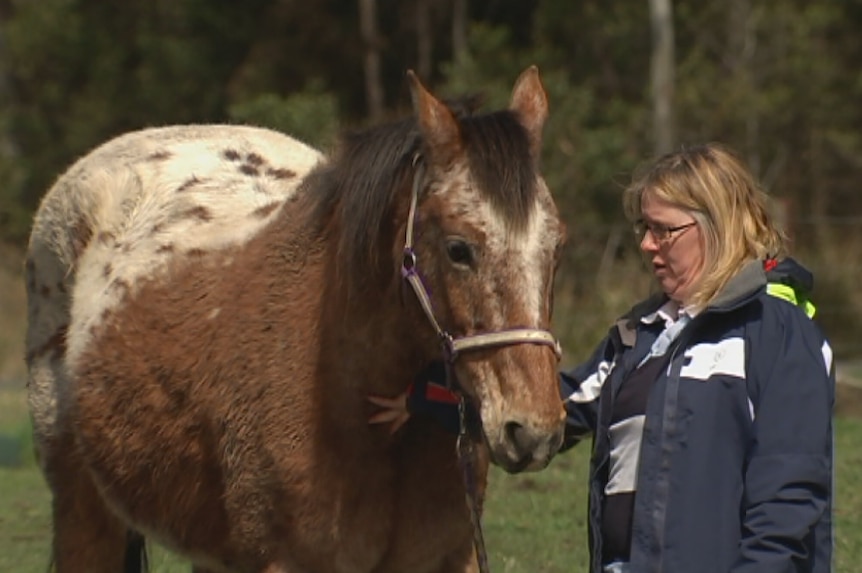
626	433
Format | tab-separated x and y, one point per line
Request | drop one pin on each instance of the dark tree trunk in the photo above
459	29
662	74
424	39
371	60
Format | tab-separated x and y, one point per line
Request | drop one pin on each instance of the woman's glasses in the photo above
661	233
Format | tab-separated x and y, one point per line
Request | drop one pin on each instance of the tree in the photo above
459	29
662	74
371	59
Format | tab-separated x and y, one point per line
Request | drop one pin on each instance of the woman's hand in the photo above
393	411
428	396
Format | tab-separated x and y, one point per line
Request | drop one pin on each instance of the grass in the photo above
538	522
534	523
13	304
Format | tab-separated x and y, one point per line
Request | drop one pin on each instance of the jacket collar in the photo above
741	289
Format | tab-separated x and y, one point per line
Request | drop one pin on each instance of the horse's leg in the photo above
87	536
461	561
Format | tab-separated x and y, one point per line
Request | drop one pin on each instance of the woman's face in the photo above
673	243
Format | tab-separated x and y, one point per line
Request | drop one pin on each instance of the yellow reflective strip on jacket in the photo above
787	293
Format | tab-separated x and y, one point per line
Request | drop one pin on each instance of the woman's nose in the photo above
648	243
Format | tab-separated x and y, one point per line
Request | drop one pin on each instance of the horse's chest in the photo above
390	516
419	537
431	529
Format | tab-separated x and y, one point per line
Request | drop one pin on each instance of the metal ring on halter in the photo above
450	353
409	261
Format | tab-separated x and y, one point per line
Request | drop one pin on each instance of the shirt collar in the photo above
669	313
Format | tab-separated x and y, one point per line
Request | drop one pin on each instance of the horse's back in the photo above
121	213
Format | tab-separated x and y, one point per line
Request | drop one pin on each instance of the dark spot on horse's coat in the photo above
57	344
105	237
280	173
121	285
200	213
80	235
45	291
159	156
157	228
168	248
188	184
250	170
254	159
196	252
106	272
178	398
61	287
231	155
265	211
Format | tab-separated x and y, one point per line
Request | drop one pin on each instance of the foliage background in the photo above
779	80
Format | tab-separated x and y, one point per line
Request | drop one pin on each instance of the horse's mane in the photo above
358	186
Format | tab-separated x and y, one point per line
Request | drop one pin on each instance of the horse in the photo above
210	307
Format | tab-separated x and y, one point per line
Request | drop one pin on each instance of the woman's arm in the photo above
786	524
580	390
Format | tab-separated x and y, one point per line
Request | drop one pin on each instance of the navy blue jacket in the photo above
735	469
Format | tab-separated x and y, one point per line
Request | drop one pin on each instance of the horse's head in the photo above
487	236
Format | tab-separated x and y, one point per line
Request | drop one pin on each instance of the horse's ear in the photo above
436	122
530	104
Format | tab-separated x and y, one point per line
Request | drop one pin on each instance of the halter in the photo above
453	347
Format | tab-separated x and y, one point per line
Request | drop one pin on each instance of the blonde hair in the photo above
715	186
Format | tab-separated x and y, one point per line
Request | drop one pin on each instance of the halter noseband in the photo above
452	346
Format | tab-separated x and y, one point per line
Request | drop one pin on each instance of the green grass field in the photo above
534	523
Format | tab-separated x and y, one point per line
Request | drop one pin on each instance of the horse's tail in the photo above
135	560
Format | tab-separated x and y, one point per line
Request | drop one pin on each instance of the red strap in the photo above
437	393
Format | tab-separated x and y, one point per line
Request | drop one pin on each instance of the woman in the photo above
710	403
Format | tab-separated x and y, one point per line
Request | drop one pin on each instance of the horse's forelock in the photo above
358	187
499	153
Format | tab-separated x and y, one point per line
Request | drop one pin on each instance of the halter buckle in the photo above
408	262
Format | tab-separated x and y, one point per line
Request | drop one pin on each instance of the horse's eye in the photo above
459	252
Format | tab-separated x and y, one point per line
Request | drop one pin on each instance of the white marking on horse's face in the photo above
514	266
508	287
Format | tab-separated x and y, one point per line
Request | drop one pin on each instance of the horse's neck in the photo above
370	343
362	338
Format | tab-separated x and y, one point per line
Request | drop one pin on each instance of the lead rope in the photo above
466	459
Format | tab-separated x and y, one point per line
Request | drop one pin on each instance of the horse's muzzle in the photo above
523	448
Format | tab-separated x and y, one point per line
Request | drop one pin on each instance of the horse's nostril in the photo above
513	430
520	438
525	448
